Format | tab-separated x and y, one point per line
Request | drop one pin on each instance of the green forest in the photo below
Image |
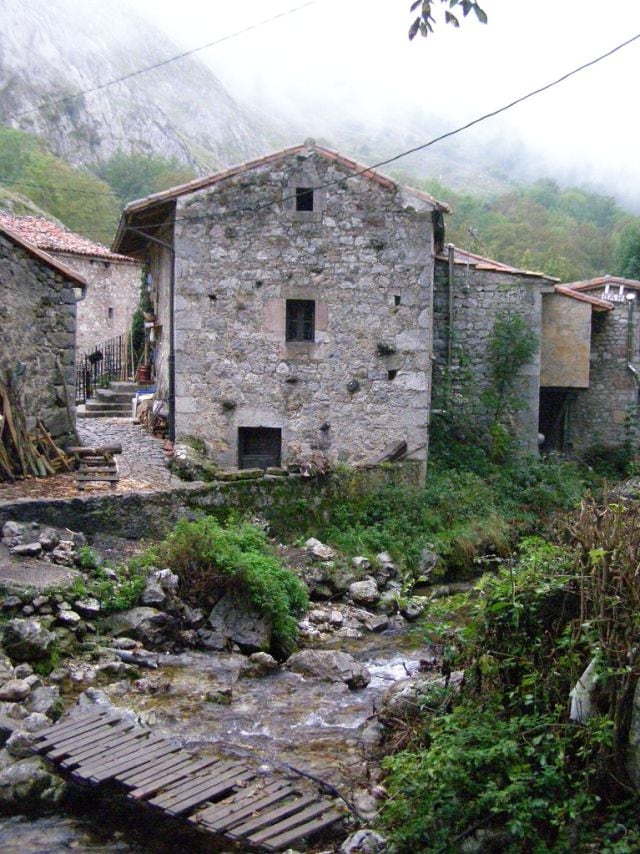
568	232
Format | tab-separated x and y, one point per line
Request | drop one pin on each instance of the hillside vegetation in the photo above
571	233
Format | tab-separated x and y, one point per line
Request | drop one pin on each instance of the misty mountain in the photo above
50	49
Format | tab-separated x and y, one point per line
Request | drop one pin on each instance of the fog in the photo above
344	71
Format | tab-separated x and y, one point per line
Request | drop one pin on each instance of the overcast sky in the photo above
352	57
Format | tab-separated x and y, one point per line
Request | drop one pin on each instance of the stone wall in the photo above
364	255
479	296
606	413
37	318
113	291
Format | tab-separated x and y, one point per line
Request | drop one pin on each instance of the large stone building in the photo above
298	292
38	296
113	280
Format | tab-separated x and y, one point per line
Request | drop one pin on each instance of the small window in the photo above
391	375
397	299
304	198
300	324
259	447
110	313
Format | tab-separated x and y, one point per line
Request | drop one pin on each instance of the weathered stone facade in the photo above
482	289
37	345
606	413
360	261
113	292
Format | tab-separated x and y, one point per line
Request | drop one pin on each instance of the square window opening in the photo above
397	299
110	313
391	375
304	198
300	320
259	447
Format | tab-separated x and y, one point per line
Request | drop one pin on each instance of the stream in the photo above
281	719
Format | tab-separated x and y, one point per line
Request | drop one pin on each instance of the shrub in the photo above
211	559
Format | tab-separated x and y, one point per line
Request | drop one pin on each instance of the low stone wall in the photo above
151	514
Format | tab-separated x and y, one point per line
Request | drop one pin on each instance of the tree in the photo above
627	255
423	24
133	176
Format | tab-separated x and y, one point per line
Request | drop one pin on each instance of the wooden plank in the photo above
59	731
100	761
240	800
133	779
192	782
269	817
63	725
95	729
90	740
292	820
286	838
109	771
119	742
218	818
153	784
212	791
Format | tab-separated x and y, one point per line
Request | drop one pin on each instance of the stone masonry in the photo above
606	413
37	317
482	289
363	256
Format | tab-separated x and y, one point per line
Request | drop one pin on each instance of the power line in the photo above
447	135
160	64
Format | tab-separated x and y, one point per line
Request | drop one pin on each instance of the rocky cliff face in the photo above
50	49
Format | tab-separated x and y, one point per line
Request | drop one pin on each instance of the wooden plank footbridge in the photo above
223	797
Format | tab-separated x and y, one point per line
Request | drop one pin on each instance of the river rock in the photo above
375	622
234	622
15	690
330	666
88	608
364	842
27	549
144	624
11	603
361	564
64	553
153	594
12	533
27	640
6	670
35	722
46	701
405	697
364	592
49	539
20	744
29	787
412	610
23	671
259	664
427	562
319	550
69	619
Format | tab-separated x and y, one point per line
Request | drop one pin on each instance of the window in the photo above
304	198
109	313
259	447
300	322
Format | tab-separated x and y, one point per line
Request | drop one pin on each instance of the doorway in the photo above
259	447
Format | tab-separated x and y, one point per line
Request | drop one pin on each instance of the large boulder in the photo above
27	640
364	592
144	624
233	621
364	842
29	787
330	666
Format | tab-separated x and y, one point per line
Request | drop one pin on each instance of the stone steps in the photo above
112	402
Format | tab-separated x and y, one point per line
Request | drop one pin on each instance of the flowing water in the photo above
281	719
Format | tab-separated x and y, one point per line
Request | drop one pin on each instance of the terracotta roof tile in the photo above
48	236
328	154
603	281
66	271
598	304
464	257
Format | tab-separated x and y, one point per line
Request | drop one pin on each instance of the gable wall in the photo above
234	273
37	318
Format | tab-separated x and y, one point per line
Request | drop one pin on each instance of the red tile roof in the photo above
603	281
598	304
328	154
48	236
58	266
479	262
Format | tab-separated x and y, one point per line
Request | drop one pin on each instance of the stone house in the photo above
294	299
470	292
590	378
38	296
113	280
